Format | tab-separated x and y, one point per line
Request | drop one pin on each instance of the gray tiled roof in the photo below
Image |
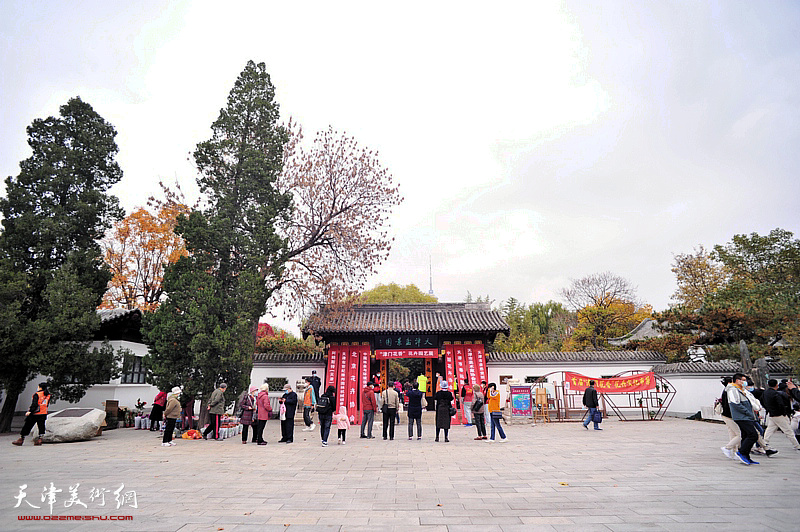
576	356
109	314
288	358
724	367
432	318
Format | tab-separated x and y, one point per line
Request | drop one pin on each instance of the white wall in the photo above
519	372
290	373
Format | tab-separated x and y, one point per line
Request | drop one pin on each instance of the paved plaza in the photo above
667	475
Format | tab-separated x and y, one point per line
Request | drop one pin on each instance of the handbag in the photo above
598	416
423	402
283	412
718	408
452	411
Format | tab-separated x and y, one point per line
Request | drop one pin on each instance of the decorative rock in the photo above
73	424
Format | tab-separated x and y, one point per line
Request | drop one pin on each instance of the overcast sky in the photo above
533	142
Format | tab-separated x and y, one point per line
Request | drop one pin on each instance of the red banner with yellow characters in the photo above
631	383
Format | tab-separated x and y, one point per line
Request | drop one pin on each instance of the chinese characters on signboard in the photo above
381	354
407	341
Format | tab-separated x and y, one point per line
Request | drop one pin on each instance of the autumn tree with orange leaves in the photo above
136	251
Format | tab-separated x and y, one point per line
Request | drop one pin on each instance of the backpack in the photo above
477	405
324	405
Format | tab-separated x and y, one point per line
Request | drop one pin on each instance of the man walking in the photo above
368	406
743	406
216	408
779	408
289	400
590	401
309	402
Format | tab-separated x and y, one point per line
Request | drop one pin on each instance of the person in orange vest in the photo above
35	415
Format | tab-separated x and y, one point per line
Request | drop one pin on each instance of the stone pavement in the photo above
667	475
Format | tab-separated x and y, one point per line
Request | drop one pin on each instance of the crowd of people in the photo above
476	402
741	407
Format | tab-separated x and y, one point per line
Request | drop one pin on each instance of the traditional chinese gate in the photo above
348	370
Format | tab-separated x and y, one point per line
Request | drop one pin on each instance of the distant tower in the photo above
430	273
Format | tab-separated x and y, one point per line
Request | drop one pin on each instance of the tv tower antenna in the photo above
430	273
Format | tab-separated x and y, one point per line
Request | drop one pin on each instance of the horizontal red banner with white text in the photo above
381	354
631	383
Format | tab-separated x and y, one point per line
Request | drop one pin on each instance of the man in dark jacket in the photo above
779	409
315	383
216	409
368	407
590	401
289	400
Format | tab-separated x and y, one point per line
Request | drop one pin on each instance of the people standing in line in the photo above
779	408
342	424
591	402
466	400
444	402
325	409
263	411
171	412
288	400
734	434
157	412
743	407
478	418
495	414
36	415
391	402
309	402
187	411
414	411
368	407
248	407
216	409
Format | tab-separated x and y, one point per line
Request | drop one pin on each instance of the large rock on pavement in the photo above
73	424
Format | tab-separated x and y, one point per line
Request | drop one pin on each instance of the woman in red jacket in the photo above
156	414
36	415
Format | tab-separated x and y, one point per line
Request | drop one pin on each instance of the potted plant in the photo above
660	402
652	414
658	387
641	400
138	420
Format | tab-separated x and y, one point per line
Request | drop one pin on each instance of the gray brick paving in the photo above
666	475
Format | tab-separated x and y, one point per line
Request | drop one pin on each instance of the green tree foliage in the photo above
759	304
536	327
54	213
698	275
394	293
205	332
276	340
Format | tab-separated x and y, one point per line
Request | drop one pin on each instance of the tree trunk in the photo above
10	405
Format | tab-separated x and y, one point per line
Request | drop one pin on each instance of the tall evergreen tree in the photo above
54	213
204	333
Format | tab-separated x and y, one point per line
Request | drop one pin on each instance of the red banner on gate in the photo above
631	383
381	354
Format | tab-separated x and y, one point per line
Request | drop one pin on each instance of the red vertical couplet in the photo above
460	375
330	373
480	363
472	370
450	367
341	377
364	371
352	383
